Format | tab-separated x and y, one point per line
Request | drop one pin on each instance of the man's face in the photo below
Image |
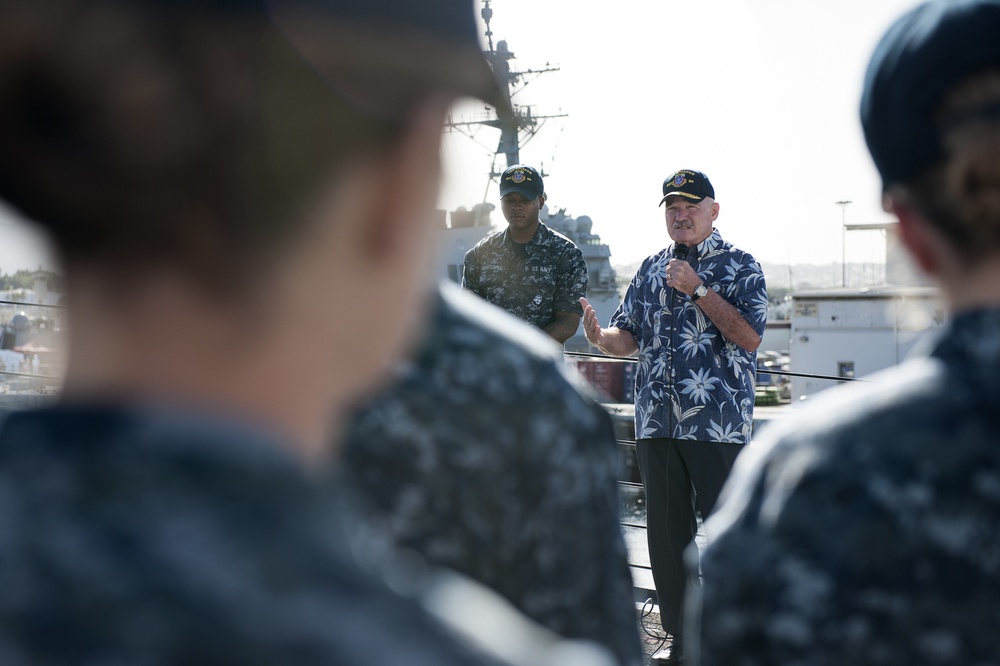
520	212
690	222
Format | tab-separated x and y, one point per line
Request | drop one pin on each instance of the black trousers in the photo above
681	477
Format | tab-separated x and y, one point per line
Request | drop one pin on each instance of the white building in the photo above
855	332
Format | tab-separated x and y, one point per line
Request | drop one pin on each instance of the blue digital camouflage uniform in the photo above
690	382
546	275
864	530
140	536
486	459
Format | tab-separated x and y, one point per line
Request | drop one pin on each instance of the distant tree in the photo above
25	279
777	295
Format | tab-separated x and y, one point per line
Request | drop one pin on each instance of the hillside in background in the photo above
797	276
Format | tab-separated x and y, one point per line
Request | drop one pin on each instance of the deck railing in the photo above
36	354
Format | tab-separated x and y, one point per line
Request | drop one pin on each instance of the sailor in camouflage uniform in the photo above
694	313
486	459
527	269
195	168
864	529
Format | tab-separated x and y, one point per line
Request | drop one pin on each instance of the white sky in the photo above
22	246
761	95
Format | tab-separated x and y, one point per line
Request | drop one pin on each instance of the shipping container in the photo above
607	377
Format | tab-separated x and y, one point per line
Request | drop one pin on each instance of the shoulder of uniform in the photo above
553	237
493	240
492	330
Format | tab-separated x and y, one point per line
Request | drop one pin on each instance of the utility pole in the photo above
843	241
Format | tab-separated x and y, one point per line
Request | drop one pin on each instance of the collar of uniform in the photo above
541	234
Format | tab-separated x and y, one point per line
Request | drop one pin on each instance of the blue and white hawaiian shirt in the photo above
692	383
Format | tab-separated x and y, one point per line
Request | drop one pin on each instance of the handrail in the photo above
23	304
760	371
30	375
32	305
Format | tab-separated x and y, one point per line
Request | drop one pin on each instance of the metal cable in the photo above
760	371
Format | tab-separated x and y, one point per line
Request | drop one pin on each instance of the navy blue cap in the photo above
382	54
523	179
691	185
922	56
450	21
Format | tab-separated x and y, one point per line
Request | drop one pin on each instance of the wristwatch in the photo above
699	292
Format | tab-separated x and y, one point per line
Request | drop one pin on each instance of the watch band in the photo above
699	292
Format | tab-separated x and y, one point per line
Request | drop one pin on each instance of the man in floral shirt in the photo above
694	312
527	269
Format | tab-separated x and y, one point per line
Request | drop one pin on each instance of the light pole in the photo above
843	241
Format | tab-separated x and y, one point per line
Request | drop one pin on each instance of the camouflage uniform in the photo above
485	459
135	536
863	530
533	281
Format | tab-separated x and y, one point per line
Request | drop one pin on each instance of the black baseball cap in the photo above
921	57
523	179
692	185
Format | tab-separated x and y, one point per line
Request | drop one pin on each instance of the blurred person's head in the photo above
20	322
931	116
240	192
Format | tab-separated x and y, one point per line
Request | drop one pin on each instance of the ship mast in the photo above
518	128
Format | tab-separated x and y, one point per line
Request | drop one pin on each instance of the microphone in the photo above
680	252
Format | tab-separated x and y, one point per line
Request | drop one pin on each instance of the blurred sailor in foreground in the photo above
230	187
484	457
863	530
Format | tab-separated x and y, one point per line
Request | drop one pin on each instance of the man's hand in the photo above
613	341
682	277
591	327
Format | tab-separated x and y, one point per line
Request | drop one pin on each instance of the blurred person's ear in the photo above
920	240
351	295
408	193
